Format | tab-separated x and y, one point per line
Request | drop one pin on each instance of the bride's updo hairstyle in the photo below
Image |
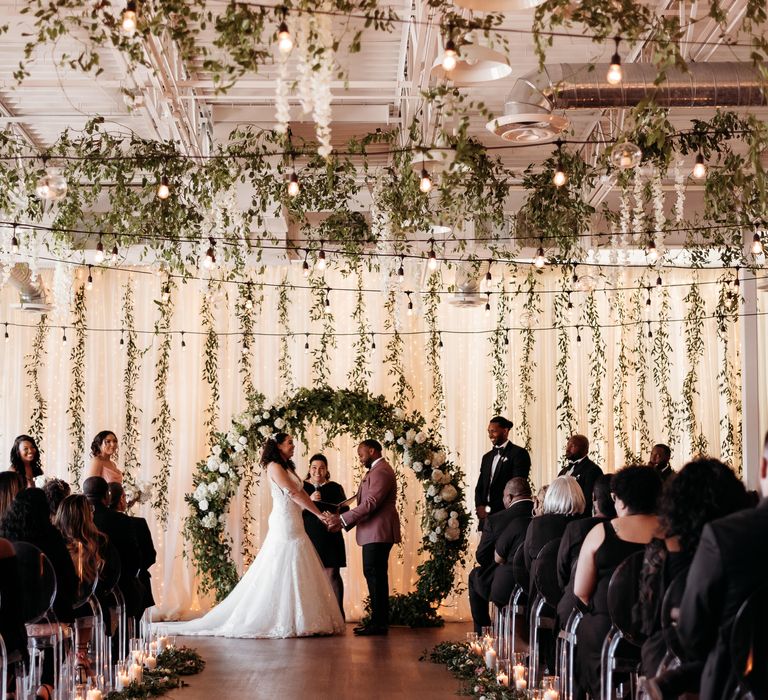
271	451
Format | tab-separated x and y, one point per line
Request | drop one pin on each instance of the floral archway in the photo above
235	454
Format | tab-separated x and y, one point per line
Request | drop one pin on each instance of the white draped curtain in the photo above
466	369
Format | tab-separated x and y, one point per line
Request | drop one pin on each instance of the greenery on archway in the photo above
445	520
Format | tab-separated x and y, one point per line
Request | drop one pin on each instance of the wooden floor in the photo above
323	667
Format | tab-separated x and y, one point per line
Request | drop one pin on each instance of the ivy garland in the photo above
394	352
641	373
434	342
499	355
32	366
247	307
76	404
360	372
694	351
163	420
445	520
284	359
597	372
532	309
320	311
128	338
661	351
210	365
726	315
566	414
620	373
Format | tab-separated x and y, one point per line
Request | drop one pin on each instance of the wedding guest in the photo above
28	520
25	459
118	502
329	545
704	490
730	563
504	462
538	500
104	458
10	485
636	492
580	466
659	460
55	490
12	628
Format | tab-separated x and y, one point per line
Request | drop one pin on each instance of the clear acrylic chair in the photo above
544	572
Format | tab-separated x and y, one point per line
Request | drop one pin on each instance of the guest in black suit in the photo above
573	537
504	462
119	503
329	545
659	460
730	563
514	520
580	466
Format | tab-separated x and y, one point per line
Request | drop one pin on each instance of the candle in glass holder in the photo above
136	673
551	694
518	671
138	655
153	648
162	643
150	662
94	694
123	679
502	678
521	684
490	657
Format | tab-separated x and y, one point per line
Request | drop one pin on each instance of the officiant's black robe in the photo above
329	545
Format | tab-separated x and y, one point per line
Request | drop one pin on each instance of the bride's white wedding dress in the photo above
284	593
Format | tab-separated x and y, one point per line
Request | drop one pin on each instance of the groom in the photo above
378	528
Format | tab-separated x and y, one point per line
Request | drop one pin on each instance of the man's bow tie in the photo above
498	449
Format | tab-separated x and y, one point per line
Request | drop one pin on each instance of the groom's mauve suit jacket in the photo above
376	515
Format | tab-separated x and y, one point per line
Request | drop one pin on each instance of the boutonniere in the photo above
503	459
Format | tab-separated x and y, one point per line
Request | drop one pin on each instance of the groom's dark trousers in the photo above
375	569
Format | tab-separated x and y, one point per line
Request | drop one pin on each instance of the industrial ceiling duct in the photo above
529	109
468	280
31	294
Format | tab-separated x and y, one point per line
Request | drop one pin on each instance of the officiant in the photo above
329	545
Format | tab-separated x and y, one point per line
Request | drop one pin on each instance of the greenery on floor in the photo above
172	664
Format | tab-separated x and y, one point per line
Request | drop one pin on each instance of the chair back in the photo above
670	604
544	570
519	572
110	571
623	592
37	581
85	589
749	645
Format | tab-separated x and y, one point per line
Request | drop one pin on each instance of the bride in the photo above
285	592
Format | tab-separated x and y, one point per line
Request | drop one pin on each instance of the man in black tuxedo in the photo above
510	524
580	466
659	460
504	462
730	563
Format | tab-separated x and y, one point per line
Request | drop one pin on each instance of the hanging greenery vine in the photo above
726	315
393	358
620	373
360	372
128	339
285	365
434	343
566	414
694	351
661	352
321	311
597	373
247	306
163	420
531	311
33	362
642	404
499	355
76	404
211	364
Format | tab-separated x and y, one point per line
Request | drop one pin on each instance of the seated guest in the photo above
573	538
118	502
514	520
55	490
329	545
580	466
659	460
12	628
28	520
538	500
25	459
730	563
703	490
636	492
10	485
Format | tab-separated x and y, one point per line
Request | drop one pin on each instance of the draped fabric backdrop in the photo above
466	369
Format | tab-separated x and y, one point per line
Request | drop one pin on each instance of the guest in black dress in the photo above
12	628
10	485
329	545
636	492
56	490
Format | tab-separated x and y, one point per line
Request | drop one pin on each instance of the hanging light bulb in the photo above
488	275
122	339
578	334
650	334
89	283
63	334
293	184
559	178
487	303
373	341
306	344
284	39
440	340
757	244
305	264
114	254
98	257
615	74
699	168
432	263
425	183
450	56
210	255
652	253
163	188
321	263
14	242
401	271
7	337
410	304
327	297
540	261
626	155
130	20
52	186
658	281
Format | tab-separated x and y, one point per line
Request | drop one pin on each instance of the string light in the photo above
122	339
163	188
410	304
114	255
757	244
575	277
439	340
450	56
52	186
559	178
7	337
425	183
129	20
506	337
648	300
166	293
210	255
578	334
89	283
373	341
652	253
736	277
488	276
432	263
306	344
14	242
63	334
293	184
570	303
284	39
327	297
699	168
98	257
183	342
658	281
540	261
615	75
401	270
320	263
650	334
488	303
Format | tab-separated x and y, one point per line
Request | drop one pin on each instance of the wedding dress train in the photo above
284	593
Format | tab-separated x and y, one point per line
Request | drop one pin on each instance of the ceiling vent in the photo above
31	294
468	281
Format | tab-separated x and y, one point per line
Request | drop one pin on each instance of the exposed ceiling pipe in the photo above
31	294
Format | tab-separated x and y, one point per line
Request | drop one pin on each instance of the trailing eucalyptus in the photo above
499	355
434	342
285	365
33	362
360	372
597	372
726	316
210	365
694	351
76	404
643	405
393	358
128	338
163	420
320	310
247	306
531	309
661	352
620	372
566	414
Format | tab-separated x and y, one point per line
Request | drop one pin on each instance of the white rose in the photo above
213	488
213	463
438	499
440	514
410	435
427	462
421	438
448	493
209	521
417	467
431	491
279	423
389	436
446	479
452	534
432	537
221	480
216	449
264	431
242	440
438	529
401	441
231	438
452	522
201	491
247	422
239	447
40	481
437	476
454	515
203	505
407	458
399	413
438	458
224	468
265	415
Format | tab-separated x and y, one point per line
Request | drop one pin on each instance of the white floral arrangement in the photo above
140	492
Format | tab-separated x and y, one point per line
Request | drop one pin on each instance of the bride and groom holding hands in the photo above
285	592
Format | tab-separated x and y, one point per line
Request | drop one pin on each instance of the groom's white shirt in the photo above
370	469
